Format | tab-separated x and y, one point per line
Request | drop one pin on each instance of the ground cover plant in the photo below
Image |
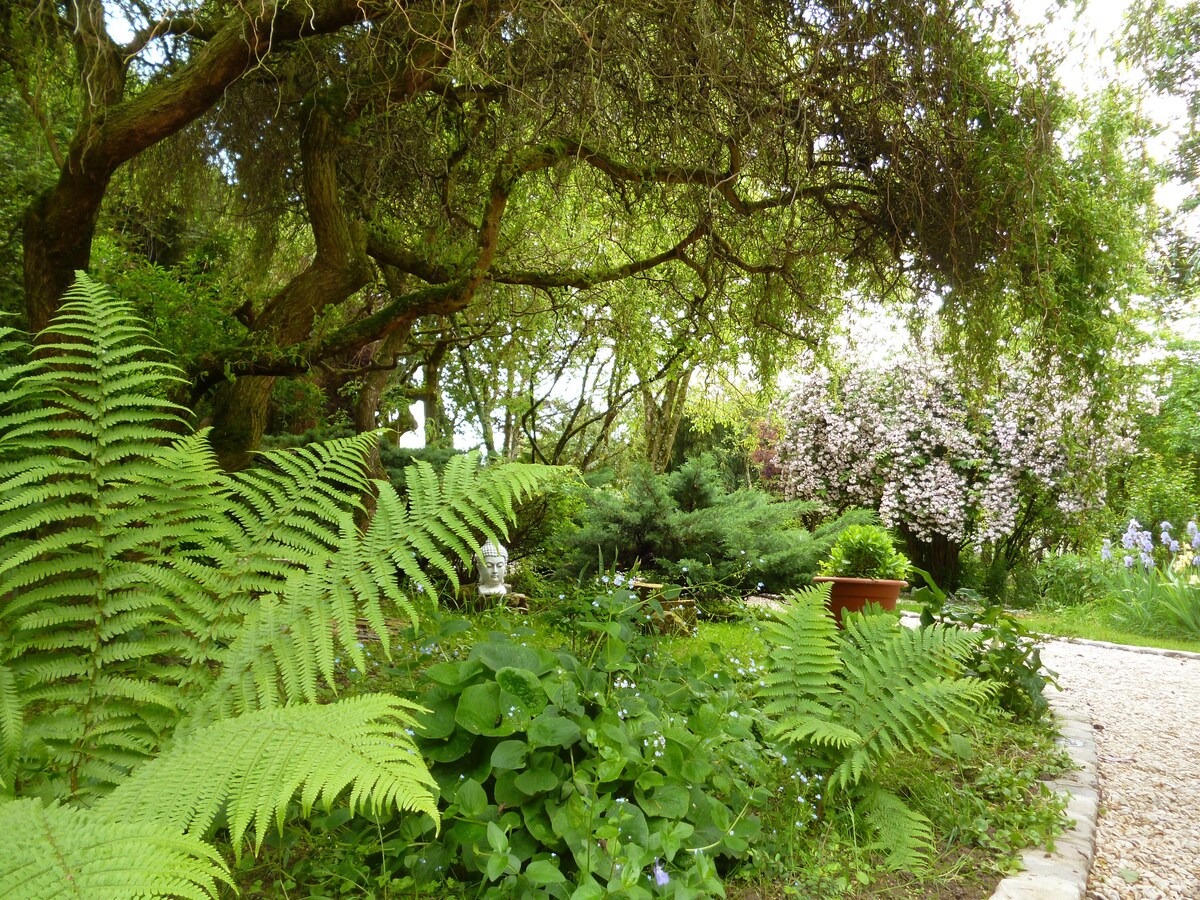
626	741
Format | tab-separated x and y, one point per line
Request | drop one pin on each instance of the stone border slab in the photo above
1063	874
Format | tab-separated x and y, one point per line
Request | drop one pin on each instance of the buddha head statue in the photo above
491	565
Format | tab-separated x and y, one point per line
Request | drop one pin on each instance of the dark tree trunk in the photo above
940	557
339	268
60	224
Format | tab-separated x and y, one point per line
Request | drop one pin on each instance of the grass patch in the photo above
1092	623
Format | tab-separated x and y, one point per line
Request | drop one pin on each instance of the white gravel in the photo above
1146	712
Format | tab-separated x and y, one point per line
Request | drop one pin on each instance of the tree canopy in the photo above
717	179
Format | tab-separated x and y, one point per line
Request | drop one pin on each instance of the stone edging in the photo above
1063	874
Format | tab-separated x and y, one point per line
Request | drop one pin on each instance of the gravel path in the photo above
1146	711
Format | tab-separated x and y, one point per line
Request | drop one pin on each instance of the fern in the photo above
80	430
857	698
152	604
250	768
901	833
53	851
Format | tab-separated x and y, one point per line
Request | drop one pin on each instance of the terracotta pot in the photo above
853	594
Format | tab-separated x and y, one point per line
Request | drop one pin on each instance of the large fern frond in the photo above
81	608
53	851
867	693
289	640
446	517
804	645
901	690
249	768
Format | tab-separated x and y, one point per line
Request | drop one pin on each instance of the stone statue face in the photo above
491	563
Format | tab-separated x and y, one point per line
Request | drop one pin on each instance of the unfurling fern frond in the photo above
53	852
252	766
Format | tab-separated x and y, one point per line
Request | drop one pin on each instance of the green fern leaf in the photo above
53	852
252	766
900	832
12	727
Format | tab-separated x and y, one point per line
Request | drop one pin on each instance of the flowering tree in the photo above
1004	475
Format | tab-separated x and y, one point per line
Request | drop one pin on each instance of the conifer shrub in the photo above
688	527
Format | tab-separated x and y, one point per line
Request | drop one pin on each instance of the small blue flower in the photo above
1106	551
661	878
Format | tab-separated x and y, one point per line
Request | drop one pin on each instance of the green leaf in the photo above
471	799
455	747
497	839
437	722
454	674
53	852
479	711
670	801
536	781
551	730
542	871
523	684
510	754
497	655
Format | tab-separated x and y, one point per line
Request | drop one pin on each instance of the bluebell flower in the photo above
1128	560
1106	551
1174	546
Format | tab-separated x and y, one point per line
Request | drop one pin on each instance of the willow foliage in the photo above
163	624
